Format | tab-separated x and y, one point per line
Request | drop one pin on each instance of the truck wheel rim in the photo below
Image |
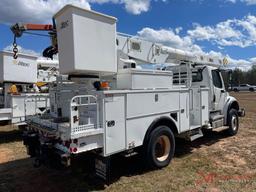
162	148
234	123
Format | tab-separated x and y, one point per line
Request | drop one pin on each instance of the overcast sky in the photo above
225	28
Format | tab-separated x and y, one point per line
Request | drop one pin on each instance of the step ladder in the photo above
195	133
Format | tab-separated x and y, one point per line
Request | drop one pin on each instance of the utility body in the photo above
108	105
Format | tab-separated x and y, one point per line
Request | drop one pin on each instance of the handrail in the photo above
82	101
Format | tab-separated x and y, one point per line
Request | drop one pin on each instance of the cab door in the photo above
219	92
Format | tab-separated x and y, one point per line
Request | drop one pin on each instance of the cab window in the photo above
216	79
197	76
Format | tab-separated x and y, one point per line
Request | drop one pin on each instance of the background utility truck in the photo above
23	86
108	106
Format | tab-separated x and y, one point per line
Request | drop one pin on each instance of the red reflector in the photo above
75	150
70	149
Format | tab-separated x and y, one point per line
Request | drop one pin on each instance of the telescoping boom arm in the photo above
144	51
134	48
18	28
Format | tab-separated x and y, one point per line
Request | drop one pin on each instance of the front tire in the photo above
161	147
233	122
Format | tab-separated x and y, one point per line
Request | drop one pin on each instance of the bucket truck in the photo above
24	89
109	106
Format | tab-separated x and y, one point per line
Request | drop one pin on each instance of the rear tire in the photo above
251	89
235	90
160	147
233	122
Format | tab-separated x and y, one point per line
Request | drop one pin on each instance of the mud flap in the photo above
102	168
31	141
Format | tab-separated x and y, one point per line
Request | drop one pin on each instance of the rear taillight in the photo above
74	150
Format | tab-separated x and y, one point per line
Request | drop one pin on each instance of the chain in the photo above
15	48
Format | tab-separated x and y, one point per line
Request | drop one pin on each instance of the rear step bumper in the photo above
45	153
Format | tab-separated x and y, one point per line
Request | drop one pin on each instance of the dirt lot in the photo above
214	163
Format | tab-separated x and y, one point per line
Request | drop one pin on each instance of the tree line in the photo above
244	77
238	77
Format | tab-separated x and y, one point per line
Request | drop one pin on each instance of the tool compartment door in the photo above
114	124
184	111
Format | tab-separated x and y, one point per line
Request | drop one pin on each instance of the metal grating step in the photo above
195	134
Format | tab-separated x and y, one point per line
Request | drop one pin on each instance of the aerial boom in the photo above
144	51
19	28
131	48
